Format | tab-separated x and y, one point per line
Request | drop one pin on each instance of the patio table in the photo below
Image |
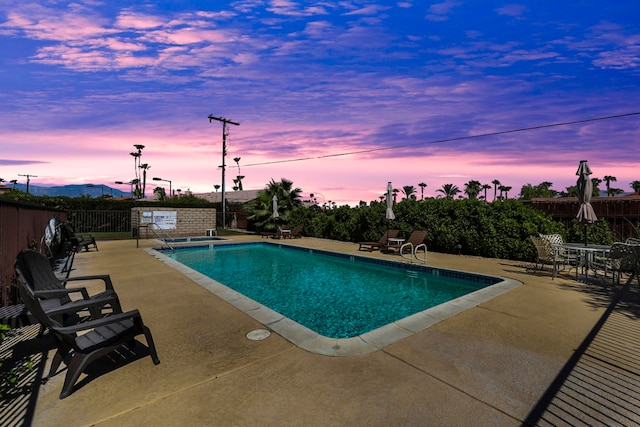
586	255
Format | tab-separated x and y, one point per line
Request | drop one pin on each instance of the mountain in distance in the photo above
73	190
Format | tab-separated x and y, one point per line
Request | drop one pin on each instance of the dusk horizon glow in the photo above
338	98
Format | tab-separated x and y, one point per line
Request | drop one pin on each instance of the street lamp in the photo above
165	180
130	184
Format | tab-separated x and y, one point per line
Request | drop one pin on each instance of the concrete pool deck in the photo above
491	364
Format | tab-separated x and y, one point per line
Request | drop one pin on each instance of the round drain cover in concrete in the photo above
258	334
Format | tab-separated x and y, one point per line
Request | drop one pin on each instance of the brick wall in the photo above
177	222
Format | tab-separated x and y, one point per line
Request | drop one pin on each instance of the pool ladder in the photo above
414	252
162	235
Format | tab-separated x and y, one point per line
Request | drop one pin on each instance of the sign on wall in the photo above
165	220
147	217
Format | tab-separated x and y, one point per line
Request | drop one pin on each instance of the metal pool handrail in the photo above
164	238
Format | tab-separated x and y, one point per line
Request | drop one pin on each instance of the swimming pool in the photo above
341	299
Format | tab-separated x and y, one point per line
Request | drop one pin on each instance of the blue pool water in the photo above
338	296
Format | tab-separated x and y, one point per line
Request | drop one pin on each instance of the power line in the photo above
459	138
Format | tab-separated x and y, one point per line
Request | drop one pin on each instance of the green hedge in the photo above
466	226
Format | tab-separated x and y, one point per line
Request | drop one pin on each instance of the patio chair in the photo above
622	259
412	244
545	254
60	252
296	233
34	271
78	242
86	341
370	246
562	257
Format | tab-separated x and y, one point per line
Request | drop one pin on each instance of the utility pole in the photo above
225	132
28	180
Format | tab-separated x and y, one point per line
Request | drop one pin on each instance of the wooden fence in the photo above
21	227
621	213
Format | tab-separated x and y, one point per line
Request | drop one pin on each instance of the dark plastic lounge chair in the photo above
413	243
78	242
370	246
296	233
100	336
60	252
35	272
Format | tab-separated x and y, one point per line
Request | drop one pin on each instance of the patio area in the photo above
519	358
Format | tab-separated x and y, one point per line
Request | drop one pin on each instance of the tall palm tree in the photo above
634	184
145	167
485	187
449	190
472	189
136	167
608	179
422	186
408	190
495	183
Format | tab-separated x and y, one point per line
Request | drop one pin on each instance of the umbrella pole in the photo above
585	234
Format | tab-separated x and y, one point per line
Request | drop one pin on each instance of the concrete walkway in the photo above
488	366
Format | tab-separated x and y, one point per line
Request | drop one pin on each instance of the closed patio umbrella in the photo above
586	214
390	214
275	206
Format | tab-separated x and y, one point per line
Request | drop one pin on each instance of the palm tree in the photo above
217	187
14	182
136	167
145	167
449	190
422	186
260	209
485	187
608	179
596	186
408	190
160	193
395	194
634	184
505	189
472	189
495	183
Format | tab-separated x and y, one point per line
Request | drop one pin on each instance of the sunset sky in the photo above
338	97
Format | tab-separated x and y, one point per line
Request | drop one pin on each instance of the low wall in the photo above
176	222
